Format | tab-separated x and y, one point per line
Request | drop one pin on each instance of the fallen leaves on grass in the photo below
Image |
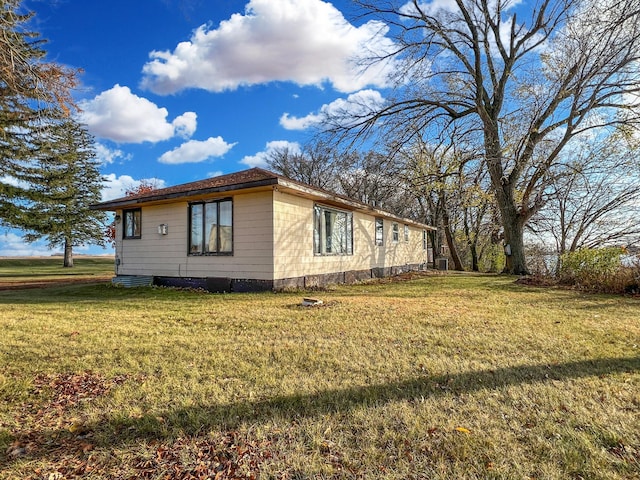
68	389
36	428
229	457
463	430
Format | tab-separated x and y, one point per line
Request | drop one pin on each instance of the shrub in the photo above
600	270
541	262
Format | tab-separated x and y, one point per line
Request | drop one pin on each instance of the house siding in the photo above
167	255
272	246
296	265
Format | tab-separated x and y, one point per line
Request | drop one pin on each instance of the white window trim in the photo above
320	238
395	232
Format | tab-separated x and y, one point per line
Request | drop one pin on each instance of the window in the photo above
132	226
379	231
424	239
406	233
395	229
211	228
332	231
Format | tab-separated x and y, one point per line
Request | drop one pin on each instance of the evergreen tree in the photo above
32	91
63	182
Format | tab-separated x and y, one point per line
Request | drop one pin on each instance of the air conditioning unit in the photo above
443	264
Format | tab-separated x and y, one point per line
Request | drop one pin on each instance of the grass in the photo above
439	377
30	270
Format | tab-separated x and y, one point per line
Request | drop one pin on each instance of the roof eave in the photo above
165	198
353	204
285	184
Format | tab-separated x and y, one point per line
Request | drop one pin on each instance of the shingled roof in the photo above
254	177
243	180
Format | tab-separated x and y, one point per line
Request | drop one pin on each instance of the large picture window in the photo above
211	228
332	231
132	223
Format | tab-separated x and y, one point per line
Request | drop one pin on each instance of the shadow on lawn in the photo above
194	419
198	420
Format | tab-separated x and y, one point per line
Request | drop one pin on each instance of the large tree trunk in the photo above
512	219
516	263
453	250
473	247
68	254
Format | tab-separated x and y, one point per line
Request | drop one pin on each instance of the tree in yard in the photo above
63	182
32	91
375	178
316	164
525	83
432	173
477	210
24	74
597	202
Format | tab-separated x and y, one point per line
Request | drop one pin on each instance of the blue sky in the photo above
180	90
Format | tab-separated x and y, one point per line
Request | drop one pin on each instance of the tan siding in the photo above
273	239
166	255
294	257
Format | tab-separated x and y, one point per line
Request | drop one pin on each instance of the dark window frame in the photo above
395	232
126	220
203	250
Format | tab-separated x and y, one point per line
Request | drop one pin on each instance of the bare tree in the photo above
530	82
432	170
375	178
597	202
370	177
316	164
478	209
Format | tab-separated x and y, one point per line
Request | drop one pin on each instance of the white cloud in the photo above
115	187
12	245
430	8
107	156
217	173
308	42
119	115
185	124
300	123
342	111
14	182
260	159
435	6
195	151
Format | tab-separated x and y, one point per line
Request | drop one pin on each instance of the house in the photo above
257	230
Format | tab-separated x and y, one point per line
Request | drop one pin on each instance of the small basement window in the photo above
132	223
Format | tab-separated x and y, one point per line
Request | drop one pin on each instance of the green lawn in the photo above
46	269
440	377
